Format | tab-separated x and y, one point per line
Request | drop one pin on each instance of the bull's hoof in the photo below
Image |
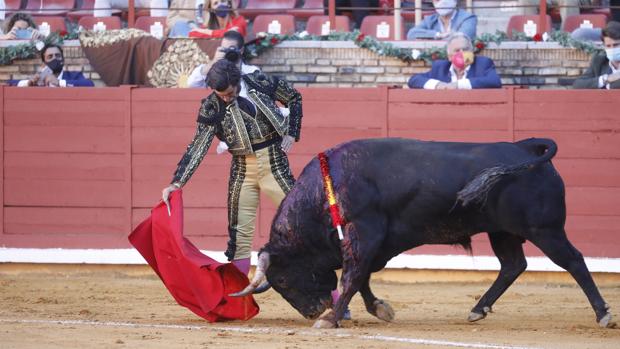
605	321
384	311
322	323
474	316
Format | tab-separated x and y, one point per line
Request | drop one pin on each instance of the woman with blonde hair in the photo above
21	26
216	18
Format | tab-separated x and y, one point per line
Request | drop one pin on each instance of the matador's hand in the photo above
165	194
287	143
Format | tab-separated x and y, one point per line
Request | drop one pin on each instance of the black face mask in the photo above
55	65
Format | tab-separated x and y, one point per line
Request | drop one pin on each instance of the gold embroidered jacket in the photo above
233	126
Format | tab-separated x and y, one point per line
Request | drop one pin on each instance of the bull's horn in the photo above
259	276
262	288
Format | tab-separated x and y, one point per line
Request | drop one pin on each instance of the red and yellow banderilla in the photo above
329	193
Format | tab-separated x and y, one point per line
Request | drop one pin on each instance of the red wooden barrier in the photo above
81	167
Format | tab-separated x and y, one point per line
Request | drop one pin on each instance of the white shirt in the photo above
461	84
61	82
602	78
443	29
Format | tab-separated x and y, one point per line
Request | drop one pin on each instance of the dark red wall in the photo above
83	166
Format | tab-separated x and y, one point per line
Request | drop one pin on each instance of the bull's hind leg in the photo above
556	246
375	306
509	250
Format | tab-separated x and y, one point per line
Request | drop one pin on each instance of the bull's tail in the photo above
477	190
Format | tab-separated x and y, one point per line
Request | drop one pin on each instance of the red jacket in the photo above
238	22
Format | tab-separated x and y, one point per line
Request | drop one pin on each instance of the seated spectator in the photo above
159	8
362	9
604	69
462	70
218	17
52	73
21	26
447	19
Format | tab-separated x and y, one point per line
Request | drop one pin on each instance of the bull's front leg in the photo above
354	272
377	307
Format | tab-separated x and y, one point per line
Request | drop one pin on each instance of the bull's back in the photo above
399	173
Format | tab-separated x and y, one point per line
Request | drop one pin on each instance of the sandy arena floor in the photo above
128	307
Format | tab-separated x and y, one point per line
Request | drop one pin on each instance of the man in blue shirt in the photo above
447	19
462	70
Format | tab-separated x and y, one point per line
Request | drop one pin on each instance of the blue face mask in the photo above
613	54
222	10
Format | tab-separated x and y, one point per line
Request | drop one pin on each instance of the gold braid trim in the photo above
89	38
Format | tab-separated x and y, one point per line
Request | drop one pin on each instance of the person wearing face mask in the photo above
447	19
52	71
216	18
604	69
462	70
219	17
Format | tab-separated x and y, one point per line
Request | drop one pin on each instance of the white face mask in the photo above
613	54
445	7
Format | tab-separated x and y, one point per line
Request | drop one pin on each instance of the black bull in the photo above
396	194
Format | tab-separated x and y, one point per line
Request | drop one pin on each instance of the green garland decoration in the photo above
268	41
29	50
260	45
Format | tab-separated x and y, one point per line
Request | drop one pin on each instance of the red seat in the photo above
573	22
49	7
86	10
254	8
262	22
11	7
56	23
310	8
145	22
516	23
111	22
370	24
315	23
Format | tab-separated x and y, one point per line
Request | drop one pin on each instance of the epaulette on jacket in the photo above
211	111
261	82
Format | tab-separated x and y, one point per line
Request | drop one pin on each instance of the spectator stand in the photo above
110	23
49	7
320	25
273	24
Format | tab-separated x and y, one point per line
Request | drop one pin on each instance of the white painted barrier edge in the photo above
411	261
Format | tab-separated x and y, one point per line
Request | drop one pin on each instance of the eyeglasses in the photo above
53	55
